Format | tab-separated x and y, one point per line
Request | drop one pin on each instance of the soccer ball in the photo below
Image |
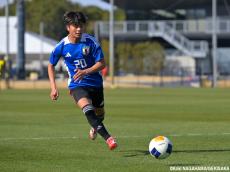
160	147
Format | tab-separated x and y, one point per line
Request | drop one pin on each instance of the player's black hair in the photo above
75	18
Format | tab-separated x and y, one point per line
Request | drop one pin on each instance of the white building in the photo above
37	49
181	65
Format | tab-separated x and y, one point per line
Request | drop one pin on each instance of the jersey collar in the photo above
83	39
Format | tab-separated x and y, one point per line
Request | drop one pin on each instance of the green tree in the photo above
105	48
12	9
154	58
123	54
138	53
50	14
119	15
94	14
147	57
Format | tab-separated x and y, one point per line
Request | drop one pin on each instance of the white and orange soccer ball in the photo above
160	147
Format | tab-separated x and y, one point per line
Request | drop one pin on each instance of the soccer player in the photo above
84	59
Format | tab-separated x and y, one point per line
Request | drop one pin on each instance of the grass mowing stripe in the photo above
75	137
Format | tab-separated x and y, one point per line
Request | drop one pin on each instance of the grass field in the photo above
38	135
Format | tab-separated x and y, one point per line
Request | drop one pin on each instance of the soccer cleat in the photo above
92	134
111	142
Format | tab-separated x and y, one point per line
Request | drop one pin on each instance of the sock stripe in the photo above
87	108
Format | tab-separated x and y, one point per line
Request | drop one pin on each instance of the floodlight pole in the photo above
111	42
21	39
7	57
41	49
7	27
214	43
96	31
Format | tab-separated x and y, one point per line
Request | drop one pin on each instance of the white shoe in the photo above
92	134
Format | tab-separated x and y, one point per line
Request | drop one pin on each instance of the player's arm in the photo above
54	91
95	68
53	60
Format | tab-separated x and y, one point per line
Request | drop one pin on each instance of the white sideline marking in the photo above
75	137
38	138
198	134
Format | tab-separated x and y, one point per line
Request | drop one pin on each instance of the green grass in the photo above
38	135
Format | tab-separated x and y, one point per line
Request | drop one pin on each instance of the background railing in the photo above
163	29
201	26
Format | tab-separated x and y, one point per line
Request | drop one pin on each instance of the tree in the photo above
119	15
138	53
144	57
154	58
105	48
12	9
50	14
123	54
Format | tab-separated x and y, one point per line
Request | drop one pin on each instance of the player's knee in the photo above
86	109
101	117
89	112
100	112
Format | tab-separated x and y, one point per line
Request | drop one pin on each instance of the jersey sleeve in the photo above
55	55
98	53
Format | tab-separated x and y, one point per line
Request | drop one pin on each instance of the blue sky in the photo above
98	3
3	2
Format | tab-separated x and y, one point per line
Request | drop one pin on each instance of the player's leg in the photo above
97	96
100	114
81	97
98	102
92	118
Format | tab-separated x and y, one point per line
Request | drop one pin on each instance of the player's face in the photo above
75	31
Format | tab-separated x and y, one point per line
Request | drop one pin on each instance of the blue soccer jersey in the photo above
81	55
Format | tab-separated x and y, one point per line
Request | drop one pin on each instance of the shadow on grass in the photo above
133	153
201	151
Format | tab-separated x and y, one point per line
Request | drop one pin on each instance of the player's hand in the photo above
54	94
79	74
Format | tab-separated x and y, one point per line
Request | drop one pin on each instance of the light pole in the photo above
21	39
41	49
214	44
7	56
111	43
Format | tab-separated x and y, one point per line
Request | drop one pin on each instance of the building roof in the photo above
166	4
98	3
33	41
171	9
